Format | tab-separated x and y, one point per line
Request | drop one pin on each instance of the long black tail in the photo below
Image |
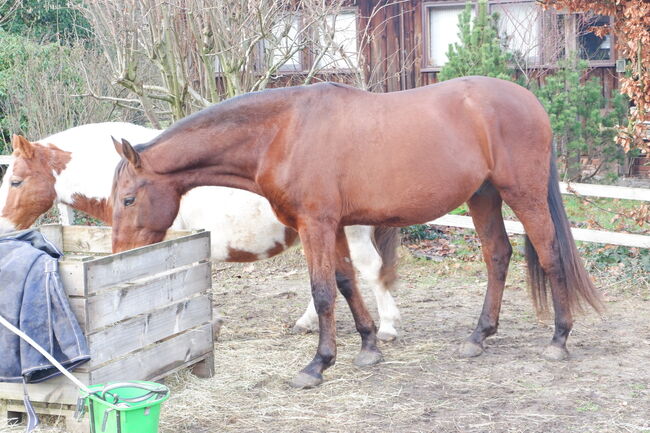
386	240
578	285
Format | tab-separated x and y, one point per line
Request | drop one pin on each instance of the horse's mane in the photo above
235	109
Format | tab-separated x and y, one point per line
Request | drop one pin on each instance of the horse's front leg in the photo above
319	243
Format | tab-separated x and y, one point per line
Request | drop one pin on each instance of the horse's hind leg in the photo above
368	262
535	216
345	280
485	207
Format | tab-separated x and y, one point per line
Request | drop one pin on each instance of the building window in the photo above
519	28
338	36
285	45
441	31
590	46
534	36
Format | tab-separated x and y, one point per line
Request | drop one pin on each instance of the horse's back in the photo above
419	152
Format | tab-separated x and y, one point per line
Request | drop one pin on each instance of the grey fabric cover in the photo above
32	299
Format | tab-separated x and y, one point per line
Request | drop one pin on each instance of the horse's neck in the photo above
221	146
85	183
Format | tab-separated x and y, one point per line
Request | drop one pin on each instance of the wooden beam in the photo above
606	191
515	227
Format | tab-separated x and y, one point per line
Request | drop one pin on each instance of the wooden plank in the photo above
146	329
87	239
515	227
66	214
72	274
150	260
606	191
55	390
132	299
53	233
158	359
98	239
56	410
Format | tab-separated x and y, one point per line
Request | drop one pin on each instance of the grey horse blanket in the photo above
32	299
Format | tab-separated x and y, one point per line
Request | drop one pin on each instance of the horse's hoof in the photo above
469	349
555	353
306	381
387	334
366	358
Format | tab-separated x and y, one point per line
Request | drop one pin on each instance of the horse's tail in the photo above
386	241
577	285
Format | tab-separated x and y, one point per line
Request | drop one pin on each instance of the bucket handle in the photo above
152	390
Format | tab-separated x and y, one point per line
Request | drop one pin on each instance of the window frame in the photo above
311	52
546	17
426	30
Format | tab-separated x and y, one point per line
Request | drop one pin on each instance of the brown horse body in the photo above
327	155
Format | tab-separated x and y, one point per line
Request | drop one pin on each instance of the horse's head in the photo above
145	203
27	189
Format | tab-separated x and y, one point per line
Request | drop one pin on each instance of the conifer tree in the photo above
479	51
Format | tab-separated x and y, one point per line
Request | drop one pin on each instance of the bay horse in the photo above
76	167
329	155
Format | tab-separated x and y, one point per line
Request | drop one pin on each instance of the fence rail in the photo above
515	227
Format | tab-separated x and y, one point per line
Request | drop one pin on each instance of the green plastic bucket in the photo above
125	407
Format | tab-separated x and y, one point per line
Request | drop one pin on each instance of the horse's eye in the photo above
129	201
16	183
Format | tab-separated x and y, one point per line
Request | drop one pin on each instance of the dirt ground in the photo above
422	385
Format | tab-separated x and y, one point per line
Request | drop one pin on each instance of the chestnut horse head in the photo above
27	190
152	193
74	167
327	156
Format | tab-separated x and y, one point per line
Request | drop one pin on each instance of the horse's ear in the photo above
22	146
118	146
126	151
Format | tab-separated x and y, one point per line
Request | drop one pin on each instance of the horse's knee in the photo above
323	297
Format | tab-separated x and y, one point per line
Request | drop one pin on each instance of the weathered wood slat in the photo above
56	390
158	359
515	227
606	191
133	264
143	330
53	233
72	276
136	298
98	239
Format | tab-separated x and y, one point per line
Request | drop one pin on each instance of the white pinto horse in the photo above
75	167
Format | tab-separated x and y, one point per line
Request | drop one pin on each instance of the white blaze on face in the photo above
5	224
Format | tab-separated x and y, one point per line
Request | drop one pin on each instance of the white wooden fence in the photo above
599	236
515	227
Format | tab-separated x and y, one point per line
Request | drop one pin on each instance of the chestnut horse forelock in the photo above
28	185
326	156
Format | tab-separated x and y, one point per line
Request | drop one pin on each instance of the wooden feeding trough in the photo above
146	313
